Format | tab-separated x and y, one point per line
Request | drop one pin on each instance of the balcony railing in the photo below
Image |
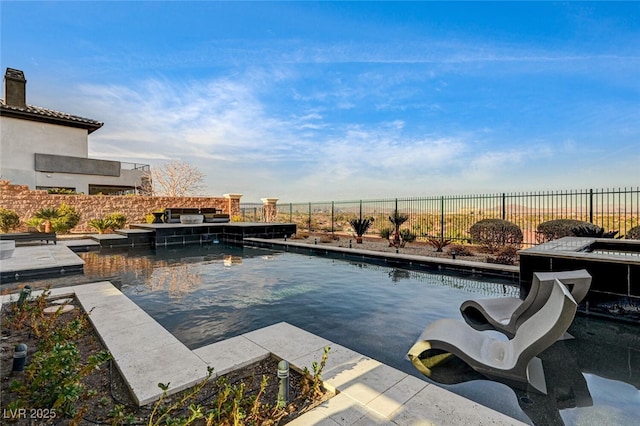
134	166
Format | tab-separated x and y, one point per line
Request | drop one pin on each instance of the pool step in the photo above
125	238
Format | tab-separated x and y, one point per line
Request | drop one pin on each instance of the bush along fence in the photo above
451	217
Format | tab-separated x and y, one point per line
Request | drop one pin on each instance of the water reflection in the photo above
452	281
230	260
176	280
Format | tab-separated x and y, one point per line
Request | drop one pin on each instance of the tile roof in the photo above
46	115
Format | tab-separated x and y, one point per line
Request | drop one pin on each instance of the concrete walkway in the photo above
368	392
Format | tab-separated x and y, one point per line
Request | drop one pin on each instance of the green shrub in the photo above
633	233
61	191
34	222
47	213
117	219
68	217
492	234
101	225
9	220
406	236
385	233
558	228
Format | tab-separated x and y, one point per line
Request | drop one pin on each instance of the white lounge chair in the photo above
512	361
506	314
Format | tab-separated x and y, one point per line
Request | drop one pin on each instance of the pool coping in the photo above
367	391
410	261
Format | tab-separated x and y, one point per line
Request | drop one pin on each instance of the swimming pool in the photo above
206	294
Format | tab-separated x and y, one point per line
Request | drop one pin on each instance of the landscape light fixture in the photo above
283	389
19	357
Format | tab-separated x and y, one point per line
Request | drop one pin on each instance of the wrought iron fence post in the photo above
442	218
332	218
504	206
591	205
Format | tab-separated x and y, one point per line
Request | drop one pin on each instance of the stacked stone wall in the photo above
26	202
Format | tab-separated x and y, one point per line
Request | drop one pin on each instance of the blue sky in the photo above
318	101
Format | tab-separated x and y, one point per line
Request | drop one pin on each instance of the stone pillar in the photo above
233	205
270	209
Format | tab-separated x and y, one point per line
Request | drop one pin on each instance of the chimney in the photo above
15	88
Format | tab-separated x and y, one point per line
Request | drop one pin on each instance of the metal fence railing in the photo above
252	212
450	217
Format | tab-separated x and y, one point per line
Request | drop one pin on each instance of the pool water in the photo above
207	294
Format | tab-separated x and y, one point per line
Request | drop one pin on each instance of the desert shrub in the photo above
385	233
461	250
438	243
47	213
327	238
406	236
558	228
101	225
34	222
633	233
492	234
9	220
68	217
506	255
593	231
360	226
117	219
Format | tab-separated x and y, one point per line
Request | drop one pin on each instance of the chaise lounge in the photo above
506	314
512	361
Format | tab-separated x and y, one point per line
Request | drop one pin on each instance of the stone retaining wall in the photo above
26	202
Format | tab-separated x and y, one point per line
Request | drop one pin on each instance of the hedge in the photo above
493	234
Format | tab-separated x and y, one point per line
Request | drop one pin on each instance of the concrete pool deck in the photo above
367	391
39	260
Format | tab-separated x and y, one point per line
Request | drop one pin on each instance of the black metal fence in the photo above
450	217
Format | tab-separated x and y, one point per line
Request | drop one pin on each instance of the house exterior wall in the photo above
22	139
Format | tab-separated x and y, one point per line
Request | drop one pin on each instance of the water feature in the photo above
206	294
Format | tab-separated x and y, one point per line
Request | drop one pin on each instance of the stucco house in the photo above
45	149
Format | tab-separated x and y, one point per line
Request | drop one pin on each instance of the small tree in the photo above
47	215
9	220
397	220
175	178
360	226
